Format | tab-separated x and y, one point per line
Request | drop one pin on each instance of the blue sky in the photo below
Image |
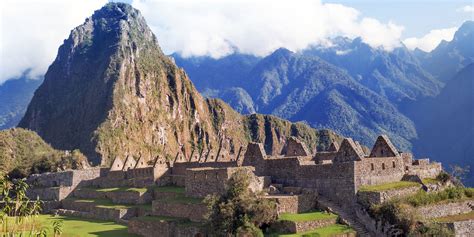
32	30
418	16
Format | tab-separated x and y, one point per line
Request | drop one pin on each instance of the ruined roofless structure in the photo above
336	173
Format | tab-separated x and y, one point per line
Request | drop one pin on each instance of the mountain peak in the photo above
465	31
111	92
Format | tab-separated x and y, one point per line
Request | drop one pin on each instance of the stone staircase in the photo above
346	215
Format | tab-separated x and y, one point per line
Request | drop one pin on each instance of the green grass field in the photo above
327	231
454	218
309	216
106	203
388	186
80	227
119	189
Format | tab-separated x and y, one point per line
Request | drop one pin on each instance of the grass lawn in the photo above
169	189
309	216
321	232
454	218
119	189
106	203
388	186
80	227
430	181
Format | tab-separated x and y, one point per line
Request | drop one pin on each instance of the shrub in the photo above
430	230
443	177
239	210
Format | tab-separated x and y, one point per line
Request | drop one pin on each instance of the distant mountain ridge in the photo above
445	123
448	58
15	94
111	92
302	87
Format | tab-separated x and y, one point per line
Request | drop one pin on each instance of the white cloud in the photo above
217	27
31	32
429	41
467	8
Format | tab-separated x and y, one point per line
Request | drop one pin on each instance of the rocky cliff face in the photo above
112	92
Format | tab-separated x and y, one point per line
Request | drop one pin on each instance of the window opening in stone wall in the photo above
372	166
383	166
393	164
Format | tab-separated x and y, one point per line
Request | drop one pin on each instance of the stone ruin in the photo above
293	178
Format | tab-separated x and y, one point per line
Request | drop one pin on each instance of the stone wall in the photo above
192	211
423	170
462	228
294	203
378	170
59	185
292	227
151	228
201	182
180	168
372	198
445	209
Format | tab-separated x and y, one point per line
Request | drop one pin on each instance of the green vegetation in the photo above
17	211
309	216
239	211
320	232
430	181
388	186
77	227
403	214
119	189
106	203
23	152
423	198
460	217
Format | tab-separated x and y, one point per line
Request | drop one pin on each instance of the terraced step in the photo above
168	192
330	230
150	226
118	195
346	216
103	209
180	207
297	223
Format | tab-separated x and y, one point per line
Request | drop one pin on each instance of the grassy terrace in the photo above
430	181
164	189
454	218
388	186
309	216
105	203
320	232
179	221
77	227
120	189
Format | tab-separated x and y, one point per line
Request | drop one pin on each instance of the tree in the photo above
239	211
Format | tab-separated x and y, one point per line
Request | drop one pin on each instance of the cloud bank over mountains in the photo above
429	41
31	31
217	27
